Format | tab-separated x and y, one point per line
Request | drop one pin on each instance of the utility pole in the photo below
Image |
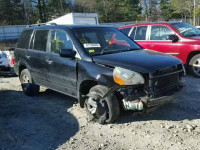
25	13
194	17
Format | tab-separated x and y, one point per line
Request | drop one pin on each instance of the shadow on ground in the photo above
167	112
7	74
35	123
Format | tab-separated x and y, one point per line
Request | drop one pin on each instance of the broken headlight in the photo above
127	77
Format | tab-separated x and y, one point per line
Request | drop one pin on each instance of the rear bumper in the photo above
165	99
5	68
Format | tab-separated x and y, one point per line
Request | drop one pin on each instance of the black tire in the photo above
27	83
195	71
107	110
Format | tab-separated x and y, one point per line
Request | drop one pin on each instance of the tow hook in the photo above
133	105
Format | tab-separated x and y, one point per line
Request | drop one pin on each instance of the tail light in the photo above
12	61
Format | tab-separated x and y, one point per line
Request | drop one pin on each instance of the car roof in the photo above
149	23
64	26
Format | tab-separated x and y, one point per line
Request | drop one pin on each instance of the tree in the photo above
182	7
130	10
11	12
150	9
166	9
5	12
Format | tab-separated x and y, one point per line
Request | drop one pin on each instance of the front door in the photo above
139	34
158	40
61	70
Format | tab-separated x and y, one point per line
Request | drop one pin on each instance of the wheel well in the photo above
22	67
86	86
191	55
84	89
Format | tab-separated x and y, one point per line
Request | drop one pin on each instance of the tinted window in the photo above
132	36
60	40
141	33
88	37
160	32
125	30
98	40
186	29
24	39
40	40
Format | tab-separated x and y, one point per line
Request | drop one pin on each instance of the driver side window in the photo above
160	33
60	40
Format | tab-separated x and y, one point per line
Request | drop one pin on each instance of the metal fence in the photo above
119	24
9	33
12	33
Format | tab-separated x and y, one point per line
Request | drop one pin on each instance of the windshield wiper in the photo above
118	51
104	49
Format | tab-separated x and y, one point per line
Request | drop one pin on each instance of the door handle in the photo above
28	57
152	45
49	61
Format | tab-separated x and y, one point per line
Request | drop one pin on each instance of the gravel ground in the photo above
54	121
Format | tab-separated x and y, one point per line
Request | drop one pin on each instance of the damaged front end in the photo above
158	88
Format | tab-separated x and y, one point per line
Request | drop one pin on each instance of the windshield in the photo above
186	29
97	41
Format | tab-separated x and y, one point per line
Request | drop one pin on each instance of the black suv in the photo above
99	66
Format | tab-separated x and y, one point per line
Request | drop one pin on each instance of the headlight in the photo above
127	77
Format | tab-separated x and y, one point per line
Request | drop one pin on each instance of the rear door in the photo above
61	70
140	35
36	57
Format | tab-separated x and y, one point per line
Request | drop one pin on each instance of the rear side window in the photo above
24	39
132	36
141	33
125	30
40	40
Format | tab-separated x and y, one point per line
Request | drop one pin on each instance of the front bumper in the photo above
164	99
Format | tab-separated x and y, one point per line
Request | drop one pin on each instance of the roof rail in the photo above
42	24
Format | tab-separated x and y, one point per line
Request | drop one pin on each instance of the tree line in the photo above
14	12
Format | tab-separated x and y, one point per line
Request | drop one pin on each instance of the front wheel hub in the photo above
94	106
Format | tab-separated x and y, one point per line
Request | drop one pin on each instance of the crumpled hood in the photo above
144	61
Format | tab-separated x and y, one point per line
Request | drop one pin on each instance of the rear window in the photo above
141	33
125	30
40	40
24	39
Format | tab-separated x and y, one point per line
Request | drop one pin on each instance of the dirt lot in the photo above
54	121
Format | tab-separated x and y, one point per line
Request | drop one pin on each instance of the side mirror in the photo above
70	53
173	38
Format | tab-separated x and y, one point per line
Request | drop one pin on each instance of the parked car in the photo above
179	39
7	60
99	66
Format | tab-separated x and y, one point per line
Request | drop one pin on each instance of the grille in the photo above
165	80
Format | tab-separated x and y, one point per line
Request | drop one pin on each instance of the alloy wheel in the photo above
196	66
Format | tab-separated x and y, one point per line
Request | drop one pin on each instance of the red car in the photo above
178	39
